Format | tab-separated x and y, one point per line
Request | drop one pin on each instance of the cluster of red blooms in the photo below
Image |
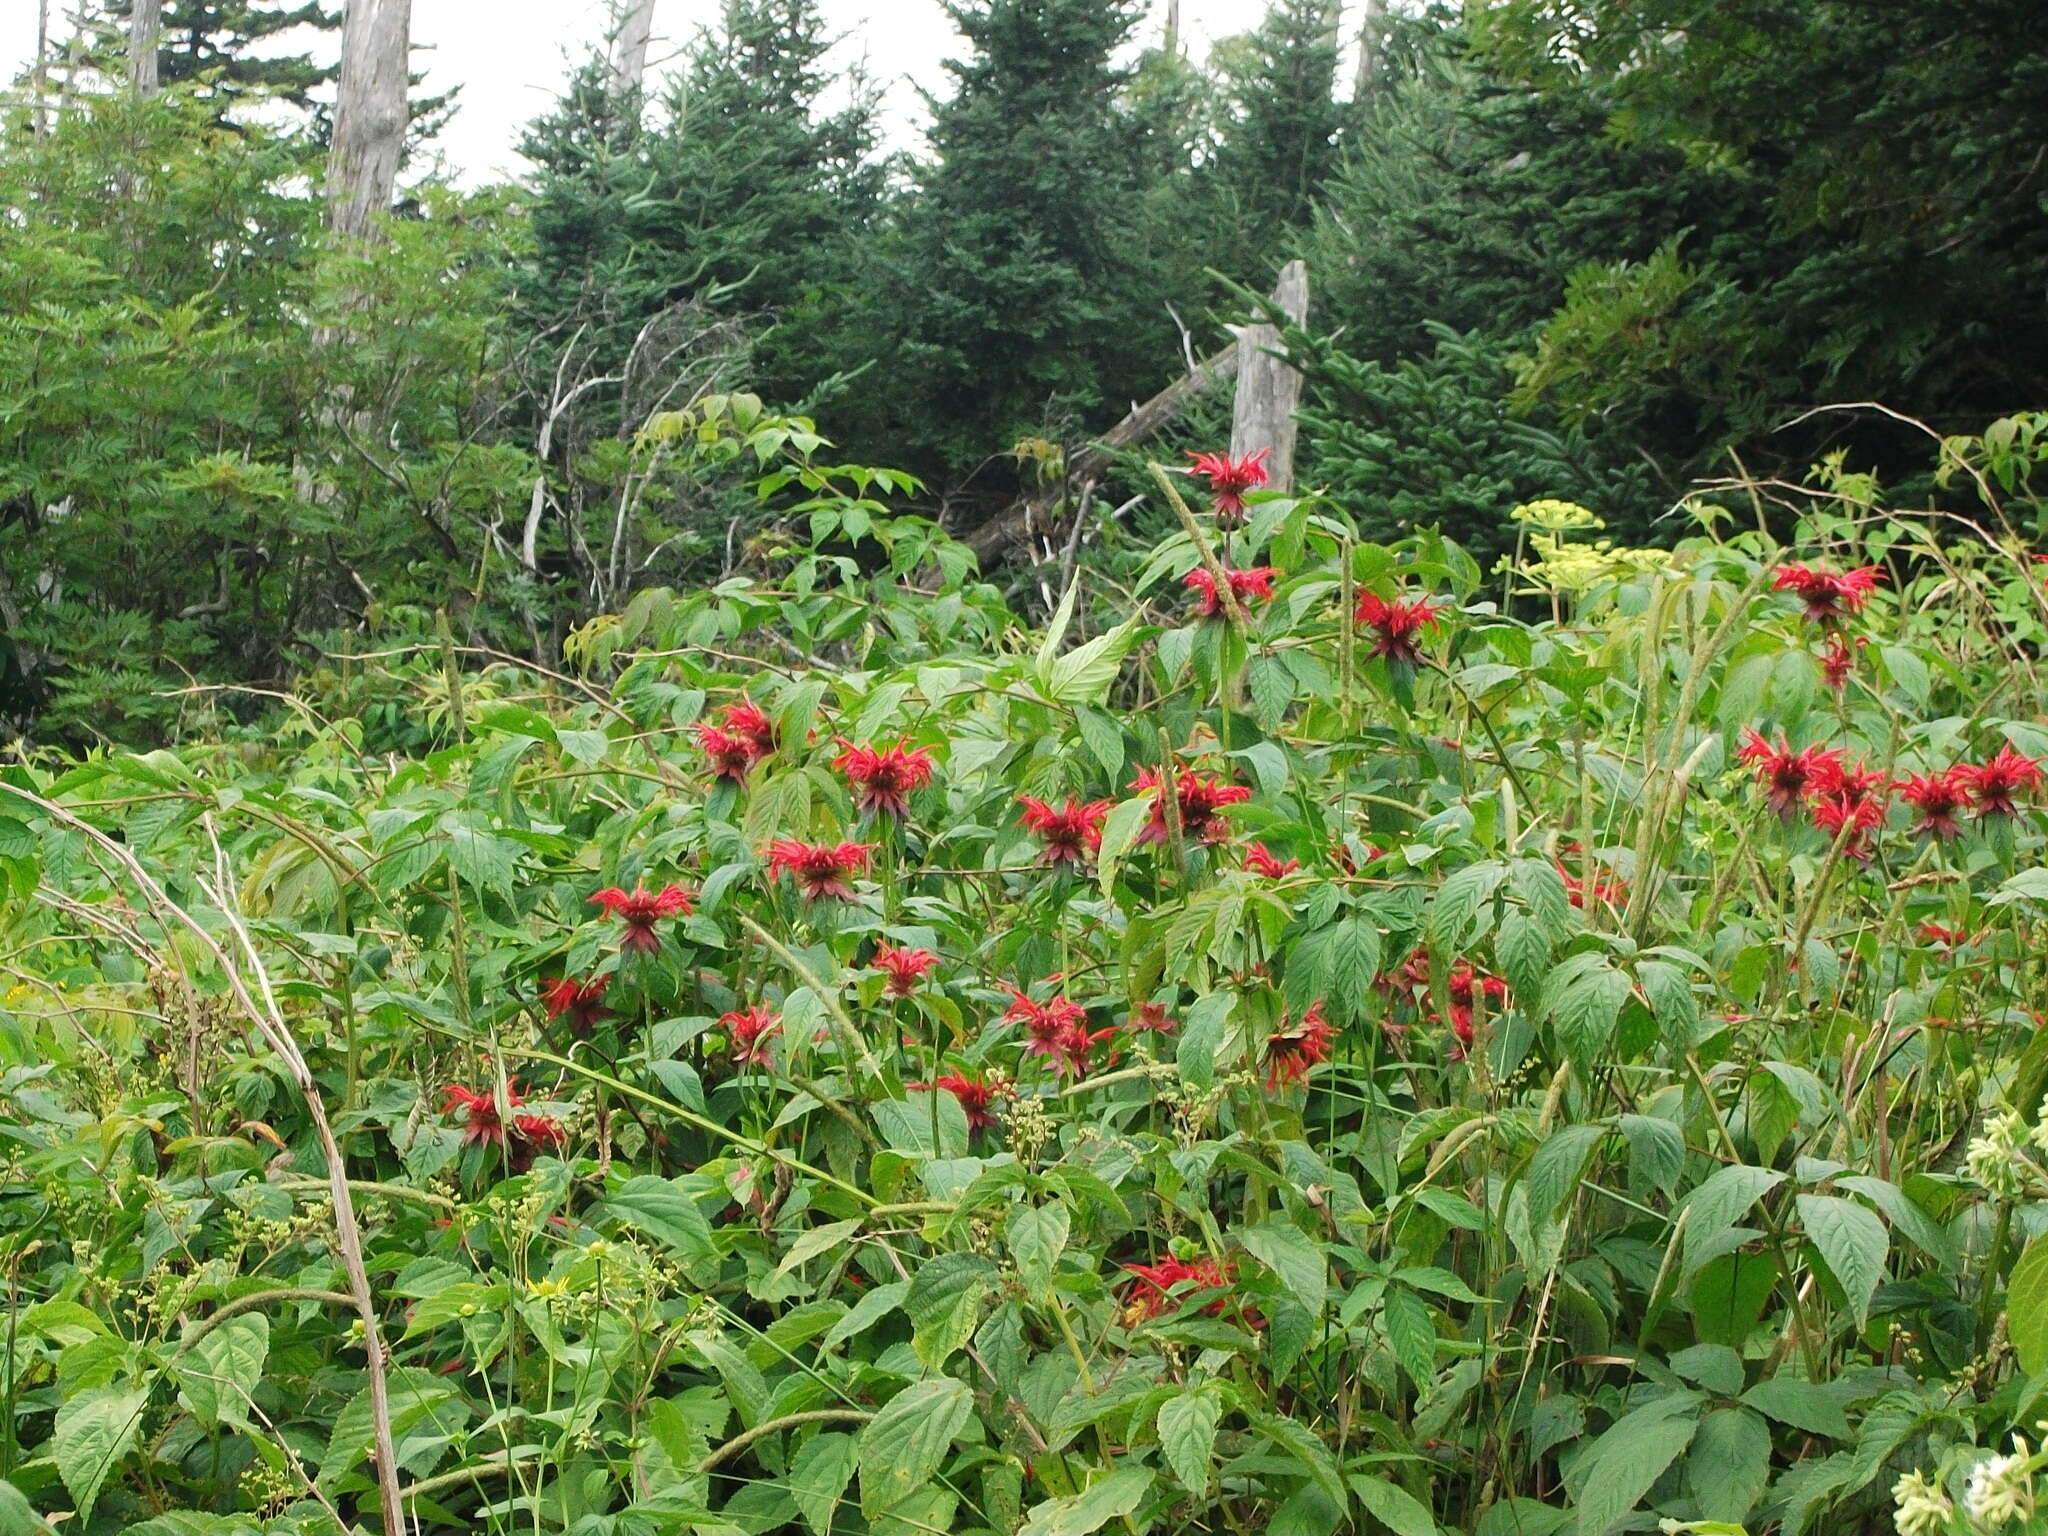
1244	585
977	1096
1228	480
749	1030
1153	1294
530	1134
1070	833
820	870
640	910
1291	1050
1260	861
1839	797
1465	991
741	739
582	1001
1829	599
1596	888
1201	799
882	779
1057	1030
1396	626
904	966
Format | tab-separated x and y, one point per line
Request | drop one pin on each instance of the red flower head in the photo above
1152	1018
1201	799
1948	938
582	1001
1828	597
975	1096
1245	585
1071	833
1850	800
904	967
1056	1030
1994	785
1937	797
1156	1282
1787	774
1462	1030
749	1030
540	1131
746	719
1229	479
1597	888
640	910
882	780
1290	1053
1260	861
479	1110
731	756
1397	626
819	869
1464	984
1840	660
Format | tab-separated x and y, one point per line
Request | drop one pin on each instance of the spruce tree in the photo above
223	39
1019	283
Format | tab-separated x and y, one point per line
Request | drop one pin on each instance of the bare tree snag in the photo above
629	47
370	114
42	74
1369	46
145	29
1172	42
1268	387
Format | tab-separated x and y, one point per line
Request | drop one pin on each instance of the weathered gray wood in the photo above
1268	388
1369	46
370	114
145	29
629	47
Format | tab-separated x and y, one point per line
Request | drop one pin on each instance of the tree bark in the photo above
629	48
1268	388
42	74
1369	46
145	29
1172	44
370	114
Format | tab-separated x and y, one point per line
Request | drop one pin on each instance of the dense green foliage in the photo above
1491	1093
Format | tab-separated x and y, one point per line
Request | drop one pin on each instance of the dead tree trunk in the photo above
629	47
1268	387
42	72
1369	46
370	114
145	29
1172	28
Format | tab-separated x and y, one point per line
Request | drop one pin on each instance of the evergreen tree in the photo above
224	39
1020	286
1278	136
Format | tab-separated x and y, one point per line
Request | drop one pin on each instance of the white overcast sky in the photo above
510	56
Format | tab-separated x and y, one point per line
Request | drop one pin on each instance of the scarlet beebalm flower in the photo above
821	870
1595	888
1938	797
1994	785
883	778
976	1095
749	1030
1948	938
1292	1051
1152	1018
1828	597
1840	660
540	1131
1786	774
640	910
1397	626
1244	585
745	718
1466	984
1202	798
1153	1293
479	1110
1070	833
904	966
1260	861
582	1001
739	741
1057	1030
1229	479
1849	803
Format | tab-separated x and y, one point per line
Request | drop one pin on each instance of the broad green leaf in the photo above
906	1442
660	1208
1102	1501
94	1430
1719	1202
1624	1463
818	1477
944	1303
2026	1308
1729	1463
214	1374
1187	1437
1120	831
1854	1243
1800	1404
1037	1234
1295	1257
1394	1506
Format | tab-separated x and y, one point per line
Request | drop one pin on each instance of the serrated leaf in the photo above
665	1212
1095	1506
1728	1463
1719	1202
818	1477
1852	1241
214	1374
1394	1507
1295	1257
1120	831
1037	1234
944	1303
1624	1463
1201	1035
1411	1334
906	1442
2026	1308
1800	1404
1461	912
94	1430
1187	1437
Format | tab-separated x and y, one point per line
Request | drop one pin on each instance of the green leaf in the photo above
1084	674
1037	1234
2026	1308
1624	1463
1295	1257
944	1303
1120	831
16	841
1800	1404
1271	684
1394	1506
1583	997
1455	918
1102	1501
18	1517
1411	1334
215	1373
818	1475
1854	1243
94	1431
1187	1437
1717	1204
483	860
1543	892
661	1208
1729	1463
1104	738
1201	1035
869	1310
814	1242
906	1442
